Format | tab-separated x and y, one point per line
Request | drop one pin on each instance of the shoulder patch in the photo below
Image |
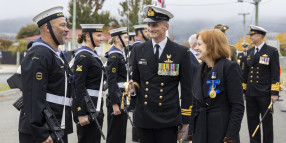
39	76
82	56
78	67
113	70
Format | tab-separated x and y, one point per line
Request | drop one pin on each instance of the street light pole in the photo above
256	3
243	14
73	25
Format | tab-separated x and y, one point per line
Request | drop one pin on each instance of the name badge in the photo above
142	62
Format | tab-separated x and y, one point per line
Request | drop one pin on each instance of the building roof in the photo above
105	37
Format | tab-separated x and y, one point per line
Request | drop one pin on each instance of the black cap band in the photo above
91	30
253	31
119	33
49	18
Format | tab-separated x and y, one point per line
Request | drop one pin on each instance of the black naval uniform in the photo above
221	116
116	76
88	70
158	110
261	80
135	132
43	80
242	58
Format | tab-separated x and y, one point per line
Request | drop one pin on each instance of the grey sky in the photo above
215	10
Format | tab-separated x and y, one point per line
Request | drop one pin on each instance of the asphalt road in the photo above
9	122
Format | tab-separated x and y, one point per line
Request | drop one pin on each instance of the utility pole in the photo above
243	14
73	25
256	3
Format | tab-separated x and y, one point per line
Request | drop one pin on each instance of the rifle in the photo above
92	113
53	124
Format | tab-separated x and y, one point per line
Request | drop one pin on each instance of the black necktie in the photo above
157	52
256	50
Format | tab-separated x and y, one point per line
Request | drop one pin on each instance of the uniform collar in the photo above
260	46
162	44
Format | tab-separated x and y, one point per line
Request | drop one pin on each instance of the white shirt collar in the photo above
162	44
260	46
194	52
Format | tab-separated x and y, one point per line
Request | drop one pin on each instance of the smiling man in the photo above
158	67
261	84
45	81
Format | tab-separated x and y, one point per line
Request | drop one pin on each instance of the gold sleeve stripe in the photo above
138	86
275	87
186	110
244	86
186	114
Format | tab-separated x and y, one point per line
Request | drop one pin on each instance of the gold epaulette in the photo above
276	87
137	84
186	112
244	86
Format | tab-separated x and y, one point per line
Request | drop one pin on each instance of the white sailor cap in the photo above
91	27
256	30
244	45
48	15
131	34
156	14
118	31
137	27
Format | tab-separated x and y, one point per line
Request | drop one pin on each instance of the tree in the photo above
87	12
19	46
27	31
136	13
282	39
5	44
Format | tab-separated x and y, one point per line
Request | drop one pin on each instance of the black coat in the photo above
242	60
87	72
262	79
116	73
42	72
157	96
219	117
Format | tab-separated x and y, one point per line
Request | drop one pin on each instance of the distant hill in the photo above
13	25
181	29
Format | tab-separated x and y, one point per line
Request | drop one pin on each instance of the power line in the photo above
210	4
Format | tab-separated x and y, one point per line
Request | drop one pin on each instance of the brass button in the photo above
161	90
250	76
161	97
256	81
257	67
162	84
257	72
146	96
257	76
250	80
160	104
251	67
146	89
251	72
147	82
145	103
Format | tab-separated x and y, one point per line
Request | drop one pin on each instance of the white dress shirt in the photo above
162	45
259	47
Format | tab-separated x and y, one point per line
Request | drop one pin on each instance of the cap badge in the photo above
150	12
